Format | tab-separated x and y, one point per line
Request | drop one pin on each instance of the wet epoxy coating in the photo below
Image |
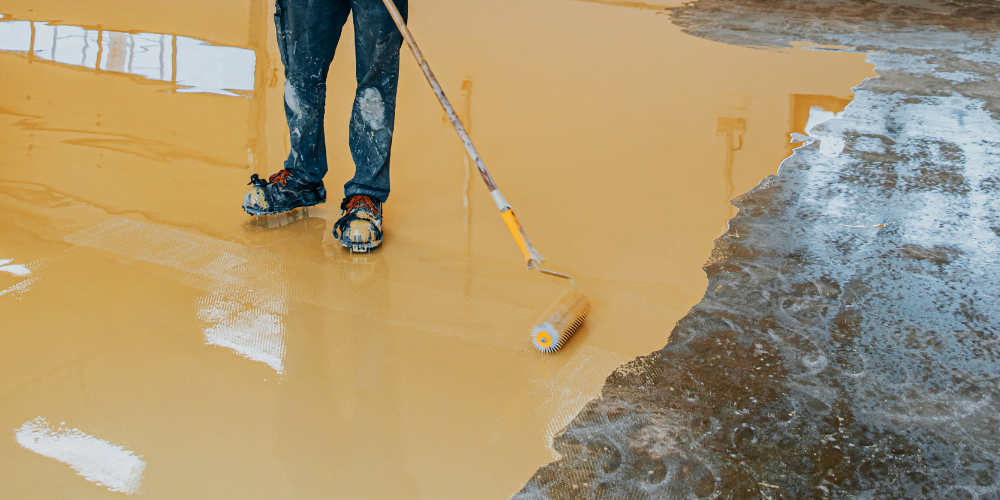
159	342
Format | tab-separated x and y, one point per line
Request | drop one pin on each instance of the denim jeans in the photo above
308	32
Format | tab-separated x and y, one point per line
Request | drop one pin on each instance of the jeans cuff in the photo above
381	196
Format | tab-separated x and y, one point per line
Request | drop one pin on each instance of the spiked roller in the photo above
562	320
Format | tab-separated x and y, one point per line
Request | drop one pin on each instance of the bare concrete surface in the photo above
847	344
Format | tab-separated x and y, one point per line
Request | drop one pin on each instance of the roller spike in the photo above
560	321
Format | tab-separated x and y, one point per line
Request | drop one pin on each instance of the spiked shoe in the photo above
359	228
282	192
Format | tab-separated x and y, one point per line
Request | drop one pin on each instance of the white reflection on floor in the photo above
17	270
194	65
250	331
97	460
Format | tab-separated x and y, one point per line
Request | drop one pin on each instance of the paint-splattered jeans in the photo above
308	32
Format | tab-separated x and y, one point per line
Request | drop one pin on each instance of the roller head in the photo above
560	321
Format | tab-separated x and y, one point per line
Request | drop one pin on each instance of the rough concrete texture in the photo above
829	361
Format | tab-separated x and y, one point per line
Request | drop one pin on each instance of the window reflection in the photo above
194	65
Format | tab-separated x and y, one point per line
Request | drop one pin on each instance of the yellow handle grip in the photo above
518	232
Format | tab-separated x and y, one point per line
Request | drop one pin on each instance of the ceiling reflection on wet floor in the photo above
194	65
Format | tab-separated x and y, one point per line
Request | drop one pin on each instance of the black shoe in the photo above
360	226
282	192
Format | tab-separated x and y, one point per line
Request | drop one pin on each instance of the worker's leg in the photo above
308	32
377	42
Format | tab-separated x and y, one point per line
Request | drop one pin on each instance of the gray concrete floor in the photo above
847	345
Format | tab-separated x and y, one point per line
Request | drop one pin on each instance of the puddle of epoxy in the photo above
244	359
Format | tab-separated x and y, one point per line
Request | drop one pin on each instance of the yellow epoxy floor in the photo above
201	354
